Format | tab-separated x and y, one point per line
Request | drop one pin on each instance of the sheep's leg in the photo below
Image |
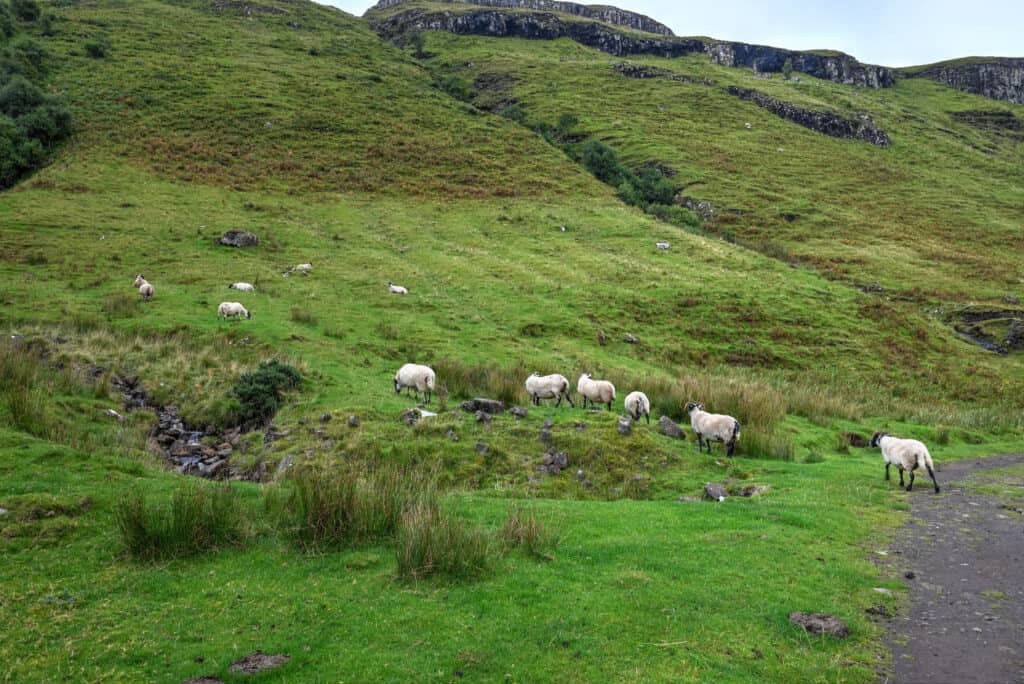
901	477
731	448
911	485
609	406
934	481
887	471
569	399
648	416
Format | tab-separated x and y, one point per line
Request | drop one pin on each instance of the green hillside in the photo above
819	298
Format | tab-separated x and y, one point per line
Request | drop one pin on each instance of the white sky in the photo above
894	33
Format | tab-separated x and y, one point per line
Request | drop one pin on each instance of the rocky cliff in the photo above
547	25
997	77
609	15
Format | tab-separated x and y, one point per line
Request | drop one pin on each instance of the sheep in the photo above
637	404
396	289
548	387
713	426
663	246
232	309
419	378
905	454
145	289
303	267
597	391
244	287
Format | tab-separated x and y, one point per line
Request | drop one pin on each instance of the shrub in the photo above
259	392
19	96
26	10
514	112
457	87
432	543
198	518
97	48
6	21
524	530
602	161
303	316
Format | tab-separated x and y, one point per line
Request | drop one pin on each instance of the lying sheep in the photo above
419	378
243	287
905	454
713	426
145	289
596	391
548	387
663	246
303	267
396	289
232	310
637	404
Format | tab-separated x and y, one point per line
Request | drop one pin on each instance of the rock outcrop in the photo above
999	78
609	15
828	123
600	33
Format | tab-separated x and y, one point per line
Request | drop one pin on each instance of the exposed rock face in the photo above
828	123
609	15
998	78
544	25
640	71
239	238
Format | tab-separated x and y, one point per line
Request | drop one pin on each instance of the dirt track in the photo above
966	553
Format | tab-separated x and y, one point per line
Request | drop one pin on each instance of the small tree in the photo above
787	68
417	41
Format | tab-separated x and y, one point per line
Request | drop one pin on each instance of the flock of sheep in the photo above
906	454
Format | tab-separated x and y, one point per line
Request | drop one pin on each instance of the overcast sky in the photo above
893	33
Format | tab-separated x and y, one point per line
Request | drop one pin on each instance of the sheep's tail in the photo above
924	460
734	437
430	383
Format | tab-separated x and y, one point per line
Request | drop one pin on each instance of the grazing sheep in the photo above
145	289
548	387
303	267
597	391
663	246
713	426
419	378
396	289
905	454
637	404
243	287
232	310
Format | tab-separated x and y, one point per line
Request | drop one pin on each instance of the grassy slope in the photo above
174	137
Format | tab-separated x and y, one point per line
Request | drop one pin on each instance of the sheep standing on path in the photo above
713	426
637	404
419	378
232	310
905	454
145	289
396	289
548	387
596	391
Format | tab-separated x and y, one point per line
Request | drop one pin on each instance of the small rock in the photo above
239	238
1010	299
580	427
114	414
879	611
556	461
353	421
548	424
625	425
669	428
820	623
483	417
285	464
580	475
258	662
326	418
545	436
3	511
630	339
883	590
491	406
410	416
482	449
910	574
519	412
452	435
753	490
715	491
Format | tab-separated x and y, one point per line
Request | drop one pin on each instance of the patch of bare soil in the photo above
962	555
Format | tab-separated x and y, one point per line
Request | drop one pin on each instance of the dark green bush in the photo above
97	48
457	87
26	10
514	112
259	393
602	161
19	96
6	21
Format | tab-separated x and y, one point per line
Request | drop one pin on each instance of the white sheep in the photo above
232	310
905	454
419	378
596	391
303	267
548	387
663	246
396	289
145	289
713	426
243	287
637	404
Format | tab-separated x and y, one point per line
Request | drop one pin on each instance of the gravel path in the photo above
966	553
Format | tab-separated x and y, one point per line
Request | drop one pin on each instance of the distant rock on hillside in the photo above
540	22
1000	78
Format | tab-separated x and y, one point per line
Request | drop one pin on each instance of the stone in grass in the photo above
715	491
669	428
353	421
258	662
239	238
519	412
625	425
203	680
483	417
820	623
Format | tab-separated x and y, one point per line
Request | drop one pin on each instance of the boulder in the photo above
820	623
353	421
555	461
519	412
669	428
483	417
715	491
631	339
239	238
625	425
482	449
491	406
325	418
410	416
753	490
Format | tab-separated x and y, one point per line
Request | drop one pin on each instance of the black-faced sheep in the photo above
906	454
397	289
713	427
637	404
419	378
548	387
145	289
232	310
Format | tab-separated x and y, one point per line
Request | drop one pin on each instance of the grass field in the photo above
341	150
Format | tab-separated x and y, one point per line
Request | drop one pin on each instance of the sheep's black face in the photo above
877	437
398	387
248	315
693	406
